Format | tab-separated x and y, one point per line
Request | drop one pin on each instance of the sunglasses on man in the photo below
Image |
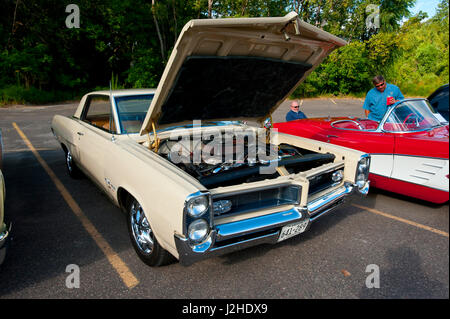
379	85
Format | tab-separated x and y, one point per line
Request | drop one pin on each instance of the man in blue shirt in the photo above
295	113
380	97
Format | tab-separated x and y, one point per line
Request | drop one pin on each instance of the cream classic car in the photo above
194	163
4	228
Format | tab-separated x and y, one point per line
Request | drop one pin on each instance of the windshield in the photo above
411	115
132	111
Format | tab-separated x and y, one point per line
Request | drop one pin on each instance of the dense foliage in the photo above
128	42
414	56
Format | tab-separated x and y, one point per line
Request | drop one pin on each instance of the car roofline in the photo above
123	92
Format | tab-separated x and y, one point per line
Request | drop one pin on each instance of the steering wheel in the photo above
413	117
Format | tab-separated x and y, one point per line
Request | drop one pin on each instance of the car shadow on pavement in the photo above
404	278
47	235
318	228
376	192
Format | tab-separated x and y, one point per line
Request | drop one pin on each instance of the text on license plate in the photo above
291	230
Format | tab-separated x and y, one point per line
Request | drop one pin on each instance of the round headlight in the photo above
197	206
198	230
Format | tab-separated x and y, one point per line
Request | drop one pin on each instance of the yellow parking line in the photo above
431	229
26	149
333	101
122	269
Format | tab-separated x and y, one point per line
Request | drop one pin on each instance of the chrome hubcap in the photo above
69	161
142	233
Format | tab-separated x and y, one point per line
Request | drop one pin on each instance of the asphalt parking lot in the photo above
403	240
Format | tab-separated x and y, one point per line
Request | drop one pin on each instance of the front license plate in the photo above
292	230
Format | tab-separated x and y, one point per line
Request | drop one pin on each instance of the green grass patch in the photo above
14	94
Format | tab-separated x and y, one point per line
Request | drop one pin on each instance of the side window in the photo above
440	100
97	112
440	103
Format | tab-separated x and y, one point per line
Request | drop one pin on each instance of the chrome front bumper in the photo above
234	236
5	238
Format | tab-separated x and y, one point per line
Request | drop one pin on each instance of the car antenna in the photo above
110	92
111	104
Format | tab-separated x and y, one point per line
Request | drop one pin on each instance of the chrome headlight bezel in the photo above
362	171
193	217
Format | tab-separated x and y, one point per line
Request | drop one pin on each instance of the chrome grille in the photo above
321	182
243	202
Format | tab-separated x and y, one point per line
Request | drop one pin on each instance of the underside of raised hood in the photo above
227	69
216	87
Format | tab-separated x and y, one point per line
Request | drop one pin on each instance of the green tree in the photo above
133	39
422	63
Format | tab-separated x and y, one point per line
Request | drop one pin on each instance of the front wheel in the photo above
72	168
143	239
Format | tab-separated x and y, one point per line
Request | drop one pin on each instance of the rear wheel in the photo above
143	238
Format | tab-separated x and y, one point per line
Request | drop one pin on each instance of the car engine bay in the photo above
229	159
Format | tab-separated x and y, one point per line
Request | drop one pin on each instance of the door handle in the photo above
331	136
80	133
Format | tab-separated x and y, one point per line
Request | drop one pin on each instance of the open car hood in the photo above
237	68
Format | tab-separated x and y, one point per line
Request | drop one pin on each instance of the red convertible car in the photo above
409	148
